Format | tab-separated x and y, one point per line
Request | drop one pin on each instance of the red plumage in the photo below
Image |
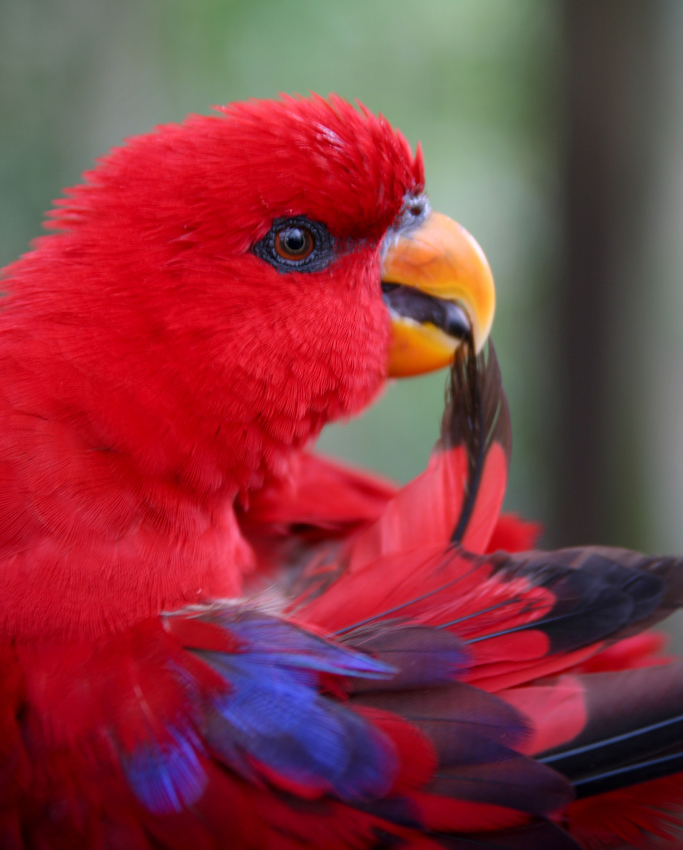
211	638
109	452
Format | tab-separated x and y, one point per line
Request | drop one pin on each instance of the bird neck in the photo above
132	417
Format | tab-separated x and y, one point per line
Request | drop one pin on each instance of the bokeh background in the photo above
552	130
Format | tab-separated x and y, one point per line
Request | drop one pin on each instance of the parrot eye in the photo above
296	244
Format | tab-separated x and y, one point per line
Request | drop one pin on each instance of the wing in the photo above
419	695
224	723
227	724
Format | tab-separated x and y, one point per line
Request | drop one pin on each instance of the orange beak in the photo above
439	291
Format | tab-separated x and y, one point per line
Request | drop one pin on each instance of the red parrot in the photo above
211	637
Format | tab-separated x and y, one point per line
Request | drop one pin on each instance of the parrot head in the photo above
212	295
228	285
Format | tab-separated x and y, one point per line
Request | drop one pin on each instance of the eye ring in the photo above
294	243
297	244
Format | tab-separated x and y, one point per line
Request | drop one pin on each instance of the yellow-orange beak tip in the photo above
438	288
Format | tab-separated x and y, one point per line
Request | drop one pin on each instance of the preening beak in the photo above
439	291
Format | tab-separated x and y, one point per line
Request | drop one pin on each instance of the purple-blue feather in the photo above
268	721
167	777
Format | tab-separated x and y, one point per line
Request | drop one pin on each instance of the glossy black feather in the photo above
461	721
634	730
597	597
626	775
421	656
508	779
476	416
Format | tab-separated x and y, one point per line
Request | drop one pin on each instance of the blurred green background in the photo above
495	90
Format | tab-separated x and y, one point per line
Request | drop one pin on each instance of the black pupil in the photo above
294	240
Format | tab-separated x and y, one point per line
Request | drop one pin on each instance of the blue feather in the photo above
274	716
298	648
167	777
269	722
